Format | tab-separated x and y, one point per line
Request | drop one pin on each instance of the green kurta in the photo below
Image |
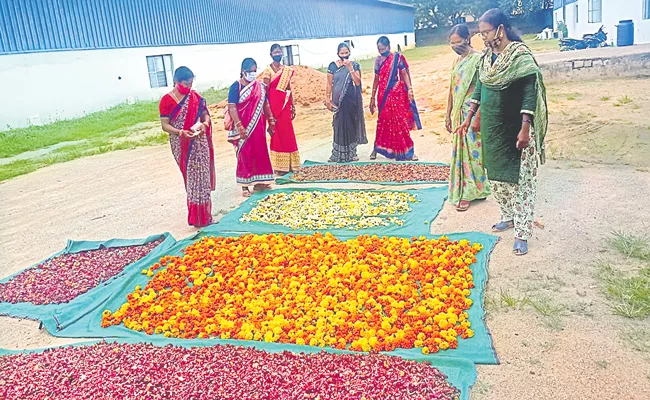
501	116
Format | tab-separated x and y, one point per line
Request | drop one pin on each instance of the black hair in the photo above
342	45
461	30
275	46
247	64
496	17
183	74
384	41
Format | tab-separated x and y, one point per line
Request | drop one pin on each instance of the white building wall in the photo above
68	84
613	12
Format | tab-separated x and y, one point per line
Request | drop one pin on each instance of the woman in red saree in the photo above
249	110
398	114
284	148
184	116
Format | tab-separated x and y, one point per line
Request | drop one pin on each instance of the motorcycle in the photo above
588	41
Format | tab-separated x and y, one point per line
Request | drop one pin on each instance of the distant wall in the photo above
595	64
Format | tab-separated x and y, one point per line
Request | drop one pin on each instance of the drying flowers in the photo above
143	371
336	209
393	172
364	294
64	277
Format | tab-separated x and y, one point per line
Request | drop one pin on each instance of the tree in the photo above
524	7
432	13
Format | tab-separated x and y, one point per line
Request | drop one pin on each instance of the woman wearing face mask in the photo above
345	100
249	110
514	120
398	114
284	148
184	116
467	180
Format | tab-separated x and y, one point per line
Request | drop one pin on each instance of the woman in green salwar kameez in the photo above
467	178
514	120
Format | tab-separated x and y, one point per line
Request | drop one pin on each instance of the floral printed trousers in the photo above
517	200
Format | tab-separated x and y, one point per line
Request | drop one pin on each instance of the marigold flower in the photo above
364	294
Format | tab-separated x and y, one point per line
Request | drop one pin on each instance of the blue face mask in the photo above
277	58
385	53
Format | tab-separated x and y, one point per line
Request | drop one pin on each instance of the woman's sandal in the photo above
373	155
246	192
262	186
414	158
520	248
503	226
463	206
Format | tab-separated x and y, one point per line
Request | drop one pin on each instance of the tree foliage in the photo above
524	7
431	13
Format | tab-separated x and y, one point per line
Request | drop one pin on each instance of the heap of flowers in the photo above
143	371
316	210
378	172
363	294
62	278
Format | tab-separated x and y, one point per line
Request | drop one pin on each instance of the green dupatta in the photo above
517	62
470	65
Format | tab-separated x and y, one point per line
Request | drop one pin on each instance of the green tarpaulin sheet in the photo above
41	312
84	320
289	178
416	222
460	373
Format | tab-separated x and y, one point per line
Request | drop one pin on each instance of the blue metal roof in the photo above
54	25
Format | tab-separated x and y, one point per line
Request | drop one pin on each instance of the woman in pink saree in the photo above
249	110
184	116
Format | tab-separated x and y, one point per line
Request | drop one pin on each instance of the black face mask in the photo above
460	49
277	58
343	58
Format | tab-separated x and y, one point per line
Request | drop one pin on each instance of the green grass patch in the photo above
629	295
72	152
545	306
623	100
631	245
91	126
541	45
214	96
119	121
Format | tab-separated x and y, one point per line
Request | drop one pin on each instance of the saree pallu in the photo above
253	162
284	148
397	115
467	178
194	156
510	84
348	122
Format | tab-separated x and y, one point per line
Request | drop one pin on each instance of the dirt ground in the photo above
570	346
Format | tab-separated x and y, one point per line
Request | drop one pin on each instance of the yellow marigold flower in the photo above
264	287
